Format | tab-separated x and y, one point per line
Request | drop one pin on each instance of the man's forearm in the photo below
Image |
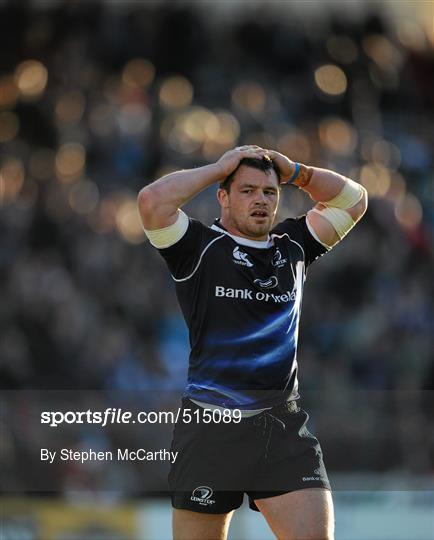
177	188
159	202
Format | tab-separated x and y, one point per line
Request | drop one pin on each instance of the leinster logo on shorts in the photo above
240	257
202	495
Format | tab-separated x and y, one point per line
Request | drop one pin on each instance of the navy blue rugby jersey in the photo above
241	300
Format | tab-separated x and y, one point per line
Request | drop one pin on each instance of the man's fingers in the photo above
252	154
249	147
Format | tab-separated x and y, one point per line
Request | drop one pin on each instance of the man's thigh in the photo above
188	525
305	514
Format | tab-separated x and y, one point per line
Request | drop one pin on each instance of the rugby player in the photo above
239	284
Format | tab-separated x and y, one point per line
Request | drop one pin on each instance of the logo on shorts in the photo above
316	472
269	283
241	258
202	495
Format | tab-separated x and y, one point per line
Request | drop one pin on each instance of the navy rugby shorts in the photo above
264	455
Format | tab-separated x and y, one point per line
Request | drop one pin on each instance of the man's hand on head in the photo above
231	159
285	166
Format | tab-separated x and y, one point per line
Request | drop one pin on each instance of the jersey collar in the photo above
261	244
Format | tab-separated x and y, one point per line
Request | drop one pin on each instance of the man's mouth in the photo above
259	213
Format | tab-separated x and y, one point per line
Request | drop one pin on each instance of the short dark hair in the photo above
265	164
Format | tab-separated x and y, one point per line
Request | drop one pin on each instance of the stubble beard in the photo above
254	231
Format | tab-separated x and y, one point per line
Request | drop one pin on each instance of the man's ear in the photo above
223	197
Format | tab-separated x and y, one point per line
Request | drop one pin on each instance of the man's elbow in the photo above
147	201
144	199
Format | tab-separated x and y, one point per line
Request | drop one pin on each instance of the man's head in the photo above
249	198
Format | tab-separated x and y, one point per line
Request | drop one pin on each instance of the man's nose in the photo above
260	197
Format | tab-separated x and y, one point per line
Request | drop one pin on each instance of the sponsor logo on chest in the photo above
248	294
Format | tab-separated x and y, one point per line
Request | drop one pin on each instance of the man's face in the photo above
249	209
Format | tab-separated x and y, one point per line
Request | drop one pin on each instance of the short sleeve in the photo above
182	257
298	231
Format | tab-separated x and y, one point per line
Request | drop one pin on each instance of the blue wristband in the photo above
297	170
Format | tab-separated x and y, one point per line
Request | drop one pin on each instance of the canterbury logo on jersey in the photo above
241	258
247	294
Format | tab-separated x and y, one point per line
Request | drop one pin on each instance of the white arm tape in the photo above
349	195
166	237
340	220
313	233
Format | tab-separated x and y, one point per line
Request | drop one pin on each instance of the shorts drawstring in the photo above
265	419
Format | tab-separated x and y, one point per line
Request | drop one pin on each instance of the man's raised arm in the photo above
341	202
159	202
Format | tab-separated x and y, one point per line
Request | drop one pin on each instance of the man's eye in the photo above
247	191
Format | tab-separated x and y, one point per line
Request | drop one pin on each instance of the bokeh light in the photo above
56	203
228	130
197	122
70	107
186	133
342	49
29	193
111	88
386	153
261	138
381	50
337	135
408	211
84	196
102	120
331	80
378	150
249	97
31	77
70	161
128	222
295	145
11	179
8	91
9	126
102	219
176	92
201	128
134	118
41	163
397	189
410	34
138	73
376	179
221	135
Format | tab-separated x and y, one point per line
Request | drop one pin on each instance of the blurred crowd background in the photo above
99	99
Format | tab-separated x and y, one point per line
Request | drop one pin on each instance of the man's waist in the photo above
288	406
248	400
245	413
